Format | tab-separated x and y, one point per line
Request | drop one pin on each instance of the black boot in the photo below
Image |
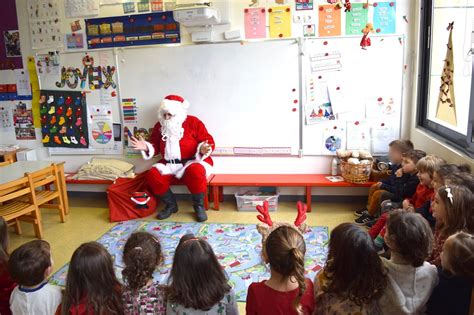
171	206
198	205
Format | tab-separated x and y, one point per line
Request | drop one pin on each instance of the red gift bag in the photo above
121	207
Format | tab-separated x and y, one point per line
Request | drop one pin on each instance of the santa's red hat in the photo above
174	104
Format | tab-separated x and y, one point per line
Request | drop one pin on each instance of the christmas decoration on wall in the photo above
64	119
446	110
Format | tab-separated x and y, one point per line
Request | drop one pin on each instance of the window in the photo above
446	85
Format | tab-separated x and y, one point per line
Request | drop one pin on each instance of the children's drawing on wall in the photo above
47	64
12	43
358	135
334	138
381	106
318	113
23	122
6	118
446	110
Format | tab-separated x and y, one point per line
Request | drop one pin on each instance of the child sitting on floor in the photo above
287	291
30	265
404	185
452	209
411	279
91	285
456	277
354	278
427	167
142	255
6	283
197	283
383	190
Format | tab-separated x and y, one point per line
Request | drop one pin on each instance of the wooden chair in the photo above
18	203
5	163
45	196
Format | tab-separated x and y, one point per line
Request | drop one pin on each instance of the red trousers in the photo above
194	178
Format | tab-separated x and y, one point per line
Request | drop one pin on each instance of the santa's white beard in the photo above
172	129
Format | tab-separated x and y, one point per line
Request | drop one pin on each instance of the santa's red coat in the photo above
195	132
194	176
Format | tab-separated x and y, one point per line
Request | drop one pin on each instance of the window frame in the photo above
463	143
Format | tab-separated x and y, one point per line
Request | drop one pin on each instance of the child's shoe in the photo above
45	139
53	120
53	129
50	99
364	219
60	100
51	110
66	140
361	212
62	121
56	139
79	121
73	140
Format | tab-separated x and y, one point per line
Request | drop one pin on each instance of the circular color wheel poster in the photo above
333	143
102	132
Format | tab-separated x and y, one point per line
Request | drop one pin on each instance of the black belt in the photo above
178	161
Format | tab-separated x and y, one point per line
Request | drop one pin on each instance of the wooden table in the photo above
9	156
18	169
280	180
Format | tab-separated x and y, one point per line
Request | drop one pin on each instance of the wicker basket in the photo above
356	173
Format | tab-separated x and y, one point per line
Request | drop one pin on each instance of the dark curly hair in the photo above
410	235
196	279
141	255
353	268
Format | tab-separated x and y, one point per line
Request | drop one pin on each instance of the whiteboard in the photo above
365	77
247	94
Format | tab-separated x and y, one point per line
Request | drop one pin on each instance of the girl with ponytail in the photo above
287	291
142	255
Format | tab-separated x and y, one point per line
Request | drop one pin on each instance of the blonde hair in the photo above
430	164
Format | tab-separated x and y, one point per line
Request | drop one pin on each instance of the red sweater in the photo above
422	195
263	300
6	287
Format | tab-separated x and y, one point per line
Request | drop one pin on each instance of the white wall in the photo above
243	164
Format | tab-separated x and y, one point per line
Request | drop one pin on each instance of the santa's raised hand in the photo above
138	144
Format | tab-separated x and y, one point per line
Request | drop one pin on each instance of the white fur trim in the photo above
173	107
148	155
140	202
200	156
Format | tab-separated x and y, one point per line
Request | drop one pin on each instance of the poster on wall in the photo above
10	49
279	22
45	23
138	29
23	122
356	18
329	20
255	22
358	135
304	5
385	17
77	8
12	43
101	122
64	119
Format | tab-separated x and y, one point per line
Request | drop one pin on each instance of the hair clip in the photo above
191	239
449	194
138	248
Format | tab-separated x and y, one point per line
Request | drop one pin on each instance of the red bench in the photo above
71	180
283	180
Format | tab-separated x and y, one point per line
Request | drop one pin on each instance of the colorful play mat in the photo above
237	246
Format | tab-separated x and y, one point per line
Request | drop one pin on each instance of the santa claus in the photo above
185	147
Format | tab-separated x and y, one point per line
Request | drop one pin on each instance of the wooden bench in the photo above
71	180
280	180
